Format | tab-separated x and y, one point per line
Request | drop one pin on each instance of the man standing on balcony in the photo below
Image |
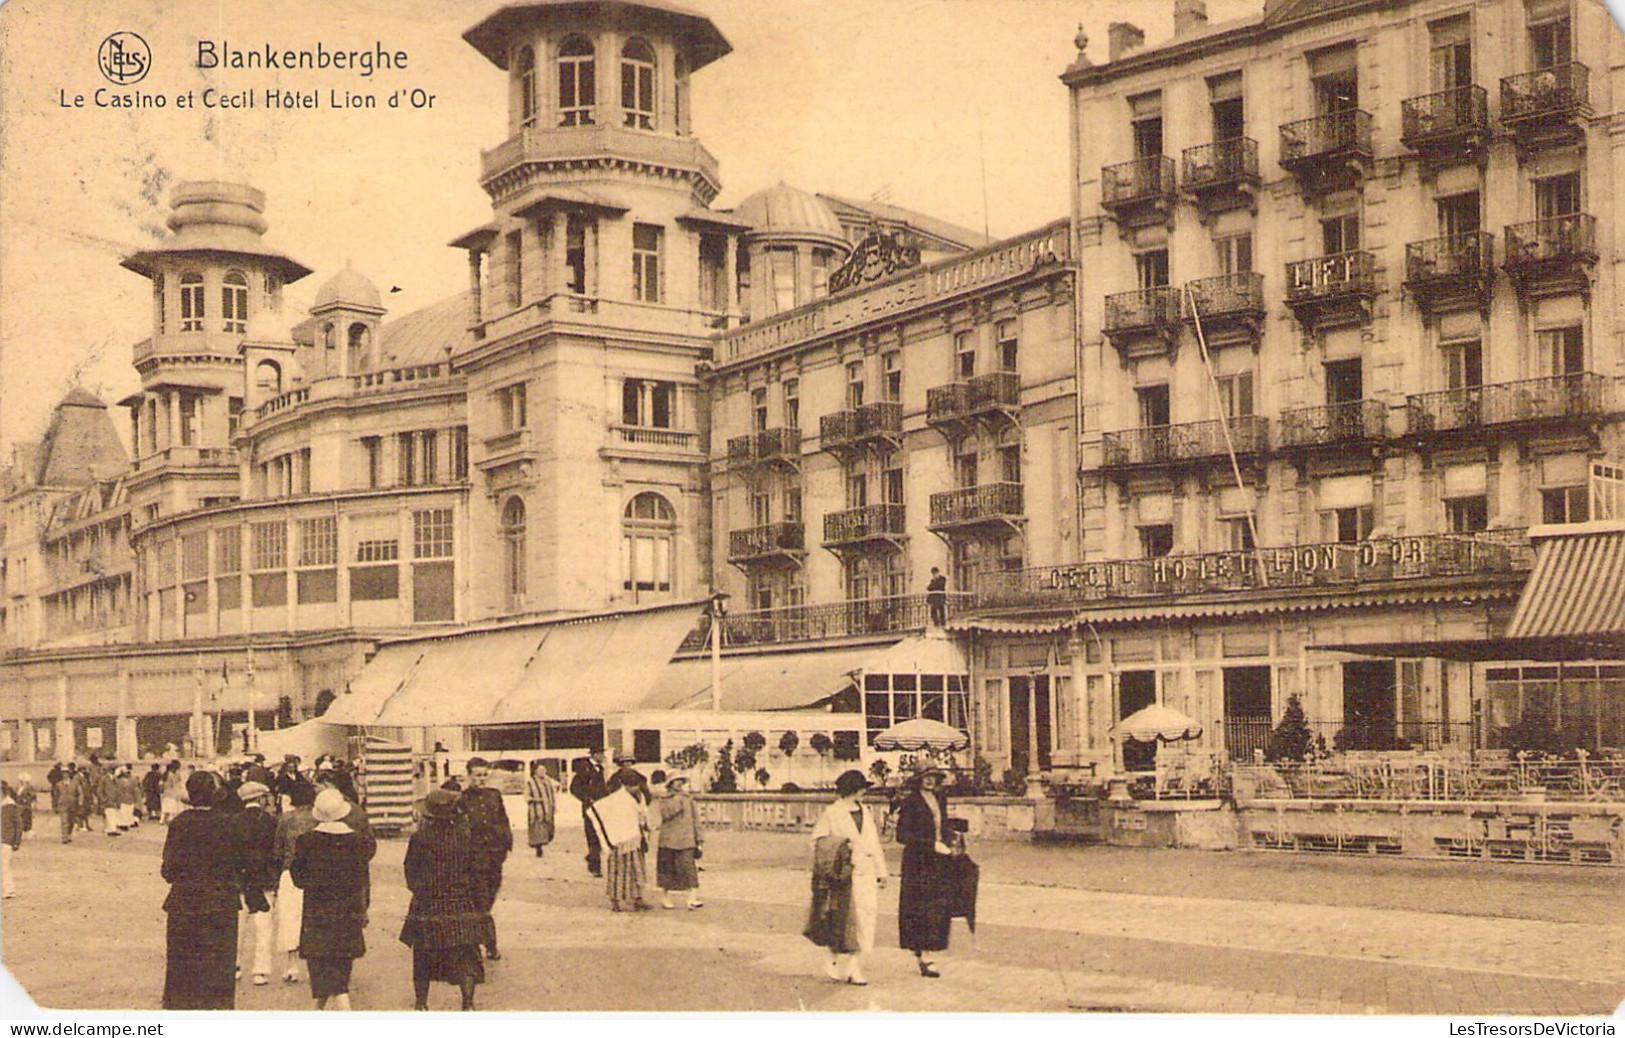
936	597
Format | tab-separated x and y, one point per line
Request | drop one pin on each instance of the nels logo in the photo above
124	58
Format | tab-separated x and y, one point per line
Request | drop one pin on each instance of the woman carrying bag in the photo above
849	868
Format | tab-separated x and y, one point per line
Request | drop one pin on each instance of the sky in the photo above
907	100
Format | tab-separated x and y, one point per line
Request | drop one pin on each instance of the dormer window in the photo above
578	90
234	302
638	85
524	69
191	302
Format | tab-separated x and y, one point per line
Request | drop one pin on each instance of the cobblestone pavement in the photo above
1061	928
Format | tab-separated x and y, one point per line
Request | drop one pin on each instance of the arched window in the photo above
513	539
648	528
360	355
268	379
578	90
191	302
524	71
234	302
330	336
638	85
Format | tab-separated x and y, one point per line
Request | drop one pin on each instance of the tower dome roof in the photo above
348	287
789	212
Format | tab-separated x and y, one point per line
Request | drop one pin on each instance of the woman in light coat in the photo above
541	801
847	818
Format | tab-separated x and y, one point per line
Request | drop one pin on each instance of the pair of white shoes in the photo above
693	902
832	970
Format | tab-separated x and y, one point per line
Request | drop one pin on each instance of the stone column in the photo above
730	274
64	727
172	404
124	740
476	301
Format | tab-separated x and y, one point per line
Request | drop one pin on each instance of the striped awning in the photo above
1577	588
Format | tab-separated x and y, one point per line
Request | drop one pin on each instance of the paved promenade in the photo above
1062	928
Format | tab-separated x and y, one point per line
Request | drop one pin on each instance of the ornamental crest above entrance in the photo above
878	255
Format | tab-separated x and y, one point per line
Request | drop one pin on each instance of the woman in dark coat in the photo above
330	866
203	868
445	927
924	897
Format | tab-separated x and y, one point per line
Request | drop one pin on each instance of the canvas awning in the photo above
1577	588
776	681
572	669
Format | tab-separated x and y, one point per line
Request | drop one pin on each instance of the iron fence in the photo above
1453	256
970	504
1448	113
1220	164
1324	135
884	615
1137	180
1450	776
1557	239
1554	398
1554	92
1165	444
1356	421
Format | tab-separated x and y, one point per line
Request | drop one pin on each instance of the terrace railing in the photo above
1190	441
1555	398
1572	238
1358	421
1548	93
1447	114
805	623
1453	256
1348	130
1220	164
972	504
1137	180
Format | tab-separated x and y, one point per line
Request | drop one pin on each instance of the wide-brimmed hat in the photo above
625	758
850	782
252	791
440	803
677	782
330	806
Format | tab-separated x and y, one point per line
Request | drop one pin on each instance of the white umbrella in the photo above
922	733
1157	724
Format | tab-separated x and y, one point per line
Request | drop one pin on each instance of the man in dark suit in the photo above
491	835
587	785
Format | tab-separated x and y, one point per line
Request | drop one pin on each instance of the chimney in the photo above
1123	37
1189	16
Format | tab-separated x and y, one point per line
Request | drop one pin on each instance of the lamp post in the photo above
717	610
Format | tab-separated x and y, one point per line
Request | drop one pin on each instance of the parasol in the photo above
921	733
1157	724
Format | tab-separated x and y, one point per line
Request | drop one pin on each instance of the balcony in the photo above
1231	307
891	614
1555	402
1144	322
1221	176
1332	290
511	165
513	447
783	543
1190	443
1451	272
780	446
1448	127
1328	152
871	527
1501	558
1552	257
1359	423
1546	107
188	458
985	399
644	443
1140	191
968	510
878	426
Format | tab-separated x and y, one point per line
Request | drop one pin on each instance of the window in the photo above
459	453
758	409
1334	79
234	302
1234	253
1238	533
1563	349
1550	43
1467	514
1458	214
1565	505
792	504
638	85
892	486
270	546
373	448
513	540
679	108
1450	53
648	403
854	385
1340	234
192	309
646	262
1009	345
1153	402
821	261
1145	113
575	253
965	355
742	281
268	379
1236	394
857	490
781	264
648	529
406	461
319	541
577	87
1346	525
966	473
228	550
524	67
1557	196
713	272
1156	540
377	549
892	386
189	429
194	556
1463	365
792	403
1345	381
511	407
158	301
432	533
761	508
1225	103
1010	463
514	243
1151	268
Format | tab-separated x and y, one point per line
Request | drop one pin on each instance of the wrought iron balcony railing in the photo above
1226	295
756	542
843	428
1190	441
1453	256
1357	421
809	623
1498	554
1446	116
975	504
1558	92
1220	164
1335	134
1142	309
765	445
866	523
1342	274
1559	239
996	390
1555	398
1138	180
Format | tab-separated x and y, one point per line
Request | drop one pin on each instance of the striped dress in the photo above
444	924
625	867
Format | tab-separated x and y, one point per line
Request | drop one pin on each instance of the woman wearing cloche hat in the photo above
330	866
445	926
849	821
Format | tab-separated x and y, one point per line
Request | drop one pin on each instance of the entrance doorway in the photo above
1136	690
1029	723
1368	705
1248	714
